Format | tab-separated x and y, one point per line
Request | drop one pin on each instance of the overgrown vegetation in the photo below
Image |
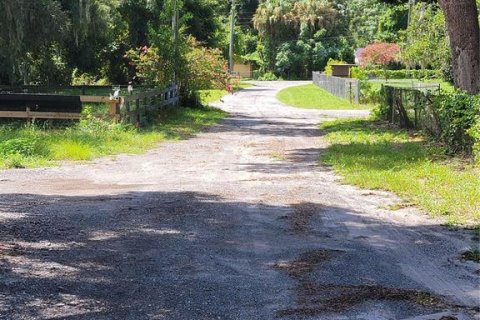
375	155
450	117
24	145
312	97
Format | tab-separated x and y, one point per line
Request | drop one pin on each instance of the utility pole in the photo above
175	38
232	35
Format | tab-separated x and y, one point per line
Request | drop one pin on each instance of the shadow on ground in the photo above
184	255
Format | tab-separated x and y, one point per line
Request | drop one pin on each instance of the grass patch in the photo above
23	146
209	96
472	255
312	97
213	95
375	156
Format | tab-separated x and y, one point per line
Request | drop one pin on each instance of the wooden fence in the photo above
48	106
133	108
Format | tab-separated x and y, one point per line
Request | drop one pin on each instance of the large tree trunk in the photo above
463	29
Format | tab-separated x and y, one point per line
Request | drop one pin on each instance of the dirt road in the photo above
240	222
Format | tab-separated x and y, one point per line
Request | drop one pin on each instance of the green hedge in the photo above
460	122
404	74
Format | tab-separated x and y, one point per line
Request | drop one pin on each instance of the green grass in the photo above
209	96
33	146
375	156
312	97
213	95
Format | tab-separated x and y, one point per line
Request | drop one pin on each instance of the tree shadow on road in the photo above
173	255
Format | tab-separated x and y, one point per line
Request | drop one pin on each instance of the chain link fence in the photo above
412	107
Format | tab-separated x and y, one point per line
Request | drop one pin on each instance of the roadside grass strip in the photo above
373	155
23	146
312	97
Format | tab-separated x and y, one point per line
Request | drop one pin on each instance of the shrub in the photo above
20	146
370	94
474	132
269	76
404	74
86	79
205	68
199	68
451	118
359	73
150	66
458	114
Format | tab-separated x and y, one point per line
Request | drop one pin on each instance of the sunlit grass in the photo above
33	146
209	96
312	97
374	156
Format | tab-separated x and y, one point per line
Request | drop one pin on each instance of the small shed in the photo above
342	70
244	70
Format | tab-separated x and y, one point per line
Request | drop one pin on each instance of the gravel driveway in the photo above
240	222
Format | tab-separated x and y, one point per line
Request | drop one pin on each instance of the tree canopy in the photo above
61	41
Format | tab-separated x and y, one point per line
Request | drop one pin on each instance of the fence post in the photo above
393	104
359	92
113	108
137	113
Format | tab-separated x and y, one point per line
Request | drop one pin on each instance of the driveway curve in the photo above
240	222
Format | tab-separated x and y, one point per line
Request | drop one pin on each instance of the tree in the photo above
426	44
298	36
379	54
463	28
25	38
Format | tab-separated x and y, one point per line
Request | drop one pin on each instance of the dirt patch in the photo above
306	263
314	298
299	219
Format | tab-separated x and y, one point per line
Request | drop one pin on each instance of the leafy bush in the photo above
359	73
458	113
451	118
199	68
21	146
27	143
86	79
150	66
205	69
269	76
474	132
370	94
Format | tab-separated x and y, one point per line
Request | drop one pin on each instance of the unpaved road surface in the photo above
240	222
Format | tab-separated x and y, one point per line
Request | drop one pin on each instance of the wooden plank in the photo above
94	99
40	115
